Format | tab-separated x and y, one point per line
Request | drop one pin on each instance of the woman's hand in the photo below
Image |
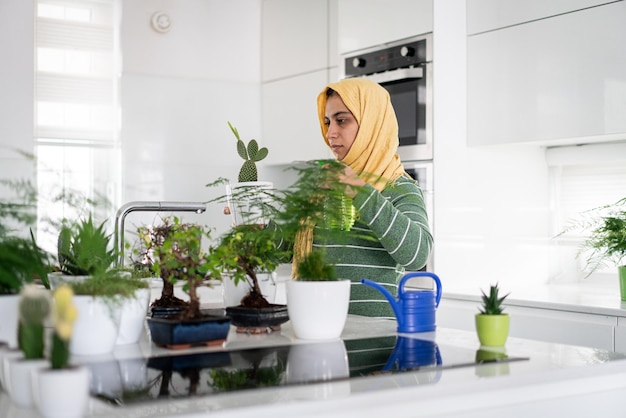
350	178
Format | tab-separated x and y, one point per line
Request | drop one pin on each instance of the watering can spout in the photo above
394	304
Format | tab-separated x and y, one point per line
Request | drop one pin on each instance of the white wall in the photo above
491	203
179	89
16	85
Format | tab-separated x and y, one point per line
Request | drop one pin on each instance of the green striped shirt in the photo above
396	223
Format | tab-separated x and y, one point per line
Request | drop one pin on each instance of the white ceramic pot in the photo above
318	310
62	393
17	378
56	279
96	328
8	324
234	293
7	353
133	317
246	202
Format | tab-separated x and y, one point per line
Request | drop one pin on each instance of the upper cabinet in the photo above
298	50
361	24
294	37
560	79
486	15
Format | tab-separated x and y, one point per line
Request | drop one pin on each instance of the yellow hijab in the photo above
373	155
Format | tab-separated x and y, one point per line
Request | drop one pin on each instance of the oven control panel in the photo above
402	55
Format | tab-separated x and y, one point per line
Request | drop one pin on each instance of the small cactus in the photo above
34	308
251	154
64	315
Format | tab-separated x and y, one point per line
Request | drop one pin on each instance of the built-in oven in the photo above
404	68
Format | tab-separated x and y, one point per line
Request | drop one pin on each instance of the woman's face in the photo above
342	126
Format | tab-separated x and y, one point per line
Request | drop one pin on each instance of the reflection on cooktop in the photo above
185	375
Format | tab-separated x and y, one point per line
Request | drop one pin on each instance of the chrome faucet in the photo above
147	206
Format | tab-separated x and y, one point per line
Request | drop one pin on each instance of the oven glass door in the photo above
410	109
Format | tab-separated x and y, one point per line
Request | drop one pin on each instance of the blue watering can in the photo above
414	309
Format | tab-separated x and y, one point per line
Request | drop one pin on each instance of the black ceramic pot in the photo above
261	318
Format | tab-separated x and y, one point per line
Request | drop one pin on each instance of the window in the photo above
76	107
583	178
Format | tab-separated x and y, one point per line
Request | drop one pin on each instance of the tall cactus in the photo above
34	308
64	315
251	154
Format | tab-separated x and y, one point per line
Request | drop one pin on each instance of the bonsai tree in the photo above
251	155
151	239
180	257
606	239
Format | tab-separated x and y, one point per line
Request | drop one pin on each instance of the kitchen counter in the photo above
541	378
584	297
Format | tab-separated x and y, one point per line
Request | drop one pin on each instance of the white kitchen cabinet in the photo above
294	37
549	325
620	335
485	15
361	24
551	81
291	129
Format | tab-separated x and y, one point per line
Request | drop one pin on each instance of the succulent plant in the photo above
85	249
492	303
34	308
251	154
64	315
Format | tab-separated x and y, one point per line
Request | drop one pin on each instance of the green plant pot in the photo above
621	270
492	330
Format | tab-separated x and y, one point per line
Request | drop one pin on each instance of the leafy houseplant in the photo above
606	240
492	325
87	258
316	281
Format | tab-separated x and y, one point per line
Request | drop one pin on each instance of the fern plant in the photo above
492	303
314	268
606	240
251	155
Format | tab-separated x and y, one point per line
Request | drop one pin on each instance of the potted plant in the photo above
62	390
34	308
317	302
248	197
22	261
244	255
151	240
606	243
492	325
104	296
180	257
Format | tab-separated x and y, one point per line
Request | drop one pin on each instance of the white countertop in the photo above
554	378
585	297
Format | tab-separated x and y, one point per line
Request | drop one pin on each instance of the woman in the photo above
359	125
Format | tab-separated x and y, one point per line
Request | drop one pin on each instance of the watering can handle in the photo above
422	274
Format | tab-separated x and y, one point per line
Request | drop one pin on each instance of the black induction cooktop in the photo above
203	374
